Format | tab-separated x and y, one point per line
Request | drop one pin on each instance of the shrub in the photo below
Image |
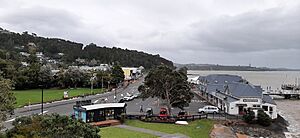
263	119
123	118
52	126
249	117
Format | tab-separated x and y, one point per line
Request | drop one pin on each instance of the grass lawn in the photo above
24	97
195	129
113	132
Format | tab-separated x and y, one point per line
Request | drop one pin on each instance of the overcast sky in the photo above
230	32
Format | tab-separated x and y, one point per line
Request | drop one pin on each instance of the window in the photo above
256	105
79	114
265	108
270	109
90	116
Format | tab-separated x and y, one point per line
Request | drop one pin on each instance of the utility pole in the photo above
42	108
115	97
102	82
92	86
92	82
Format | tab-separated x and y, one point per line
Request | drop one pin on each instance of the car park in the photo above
209	109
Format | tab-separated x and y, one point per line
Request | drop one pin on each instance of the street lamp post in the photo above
102	82
42	100
42	106
92	82
91	86
115	97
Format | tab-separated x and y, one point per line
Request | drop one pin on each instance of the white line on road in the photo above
44	112
10	120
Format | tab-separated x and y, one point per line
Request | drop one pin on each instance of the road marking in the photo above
44	112
10	120
96	101
198	101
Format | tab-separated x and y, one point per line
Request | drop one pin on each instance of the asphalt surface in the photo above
65	107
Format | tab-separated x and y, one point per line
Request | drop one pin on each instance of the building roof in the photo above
102	106
235	89
268	99
231	99
243	90
222	78
214	88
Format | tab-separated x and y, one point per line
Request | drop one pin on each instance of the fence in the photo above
166	119
172	119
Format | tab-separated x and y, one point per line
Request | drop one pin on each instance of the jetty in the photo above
287	91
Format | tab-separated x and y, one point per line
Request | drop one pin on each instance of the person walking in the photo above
141	109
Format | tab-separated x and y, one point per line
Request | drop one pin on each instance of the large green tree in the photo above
52	126
7	99
117	74
166	83
45	76
103	77
73	77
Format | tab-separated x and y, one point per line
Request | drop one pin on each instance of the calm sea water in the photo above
289	109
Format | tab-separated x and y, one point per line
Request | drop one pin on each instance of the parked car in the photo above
128	98
163	112
136	95
182	115
121	101
209	109
149	111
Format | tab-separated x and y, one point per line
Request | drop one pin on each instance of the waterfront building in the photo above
99	112
234	95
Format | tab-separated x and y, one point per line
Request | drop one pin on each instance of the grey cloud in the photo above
232	32
42	18
52	22
275	28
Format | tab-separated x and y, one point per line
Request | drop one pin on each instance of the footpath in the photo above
152	132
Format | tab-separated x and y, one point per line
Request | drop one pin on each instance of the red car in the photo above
163	112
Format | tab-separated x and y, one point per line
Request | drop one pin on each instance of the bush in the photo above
263	119
249	117
123	118
55	126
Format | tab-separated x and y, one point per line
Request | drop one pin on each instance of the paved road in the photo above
65	107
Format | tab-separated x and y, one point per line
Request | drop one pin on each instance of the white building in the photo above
25	54
131	73
234	95
102	67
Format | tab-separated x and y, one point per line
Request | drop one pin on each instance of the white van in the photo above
209	109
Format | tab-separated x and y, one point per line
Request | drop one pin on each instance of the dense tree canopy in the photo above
103	78
52	126
74	77
117	74
14	42
19	61
169	84
7	99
